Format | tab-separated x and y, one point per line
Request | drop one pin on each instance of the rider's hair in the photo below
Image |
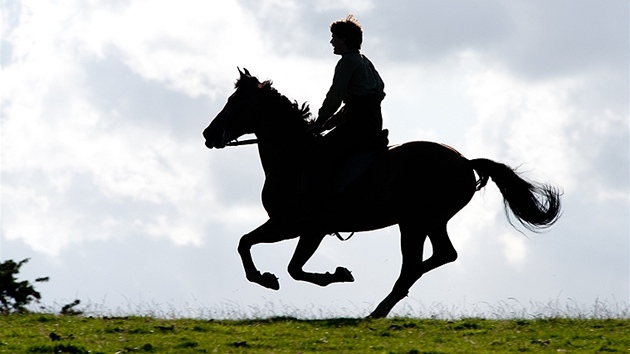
350	30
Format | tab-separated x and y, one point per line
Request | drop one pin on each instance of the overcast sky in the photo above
107	185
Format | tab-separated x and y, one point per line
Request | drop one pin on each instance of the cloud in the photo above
429	31
83	146
565	37
183	45
544	126
333	5
515	249
533	41
523	123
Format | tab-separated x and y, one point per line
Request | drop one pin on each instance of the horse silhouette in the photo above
417	185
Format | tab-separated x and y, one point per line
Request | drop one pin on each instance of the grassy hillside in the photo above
37	333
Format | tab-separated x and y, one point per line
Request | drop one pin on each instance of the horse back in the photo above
423	162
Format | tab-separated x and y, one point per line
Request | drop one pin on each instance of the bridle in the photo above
236	142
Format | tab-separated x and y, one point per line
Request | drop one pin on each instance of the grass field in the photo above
41	333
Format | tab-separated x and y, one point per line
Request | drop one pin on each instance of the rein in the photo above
341	237
243	142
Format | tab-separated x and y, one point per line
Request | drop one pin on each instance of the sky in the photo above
108	188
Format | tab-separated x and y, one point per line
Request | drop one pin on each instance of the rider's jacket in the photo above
355	76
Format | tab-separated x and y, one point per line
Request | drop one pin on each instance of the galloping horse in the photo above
418	185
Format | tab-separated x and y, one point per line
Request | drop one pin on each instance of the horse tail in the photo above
536	206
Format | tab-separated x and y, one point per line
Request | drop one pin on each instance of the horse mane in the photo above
281	100
304	110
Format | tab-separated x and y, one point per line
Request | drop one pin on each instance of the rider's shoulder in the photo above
352	59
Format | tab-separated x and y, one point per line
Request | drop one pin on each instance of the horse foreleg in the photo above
269	232
307	245
413	267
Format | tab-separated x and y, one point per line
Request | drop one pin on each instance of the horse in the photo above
418	185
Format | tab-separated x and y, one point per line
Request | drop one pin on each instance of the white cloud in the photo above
187	45
526	123
557	136
348	5
55	133
514	249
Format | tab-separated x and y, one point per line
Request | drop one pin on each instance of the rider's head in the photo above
348	29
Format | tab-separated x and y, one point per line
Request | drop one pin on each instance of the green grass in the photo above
40	333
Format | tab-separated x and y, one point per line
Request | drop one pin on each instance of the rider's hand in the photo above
315	128
334	120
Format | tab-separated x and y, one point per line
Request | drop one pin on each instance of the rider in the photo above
358	126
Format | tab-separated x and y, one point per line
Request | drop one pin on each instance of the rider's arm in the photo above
338	90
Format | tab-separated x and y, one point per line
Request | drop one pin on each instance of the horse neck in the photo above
276	154
270	157
280	145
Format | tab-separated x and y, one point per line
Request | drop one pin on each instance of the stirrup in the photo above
341	237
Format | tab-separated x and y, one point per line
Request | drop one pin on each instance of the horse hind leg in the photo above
306	247
412	241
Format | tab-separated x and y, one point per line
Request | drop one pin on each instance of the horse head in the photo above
238	116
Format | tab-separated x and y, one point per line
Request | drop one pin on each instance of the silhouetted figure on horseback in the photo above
357	128
417	185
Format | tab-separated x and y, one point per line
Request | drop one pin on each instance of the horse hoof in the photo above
378	313
374	316
383	309
270	281
344	275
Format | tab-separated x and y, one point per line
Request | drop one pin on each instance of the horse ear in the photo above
245	73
